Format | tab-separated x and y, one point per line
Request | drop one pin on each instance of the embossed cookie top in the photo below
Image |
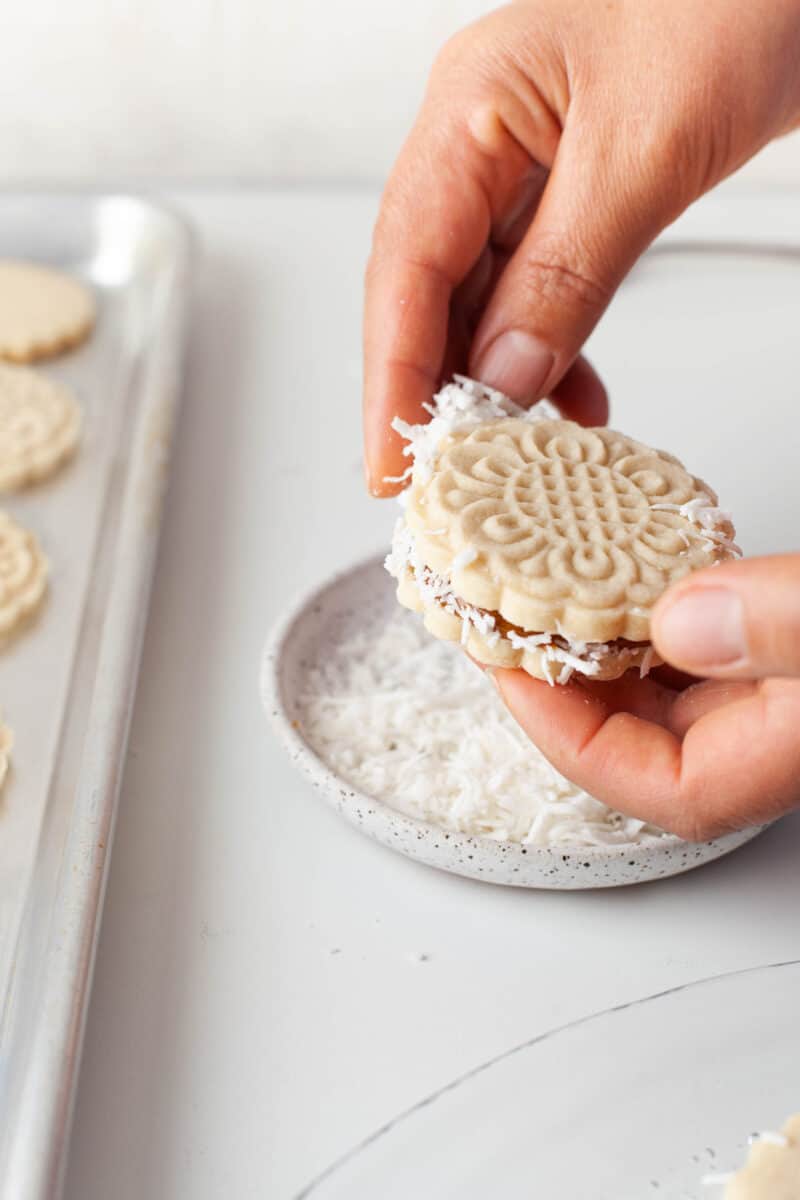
563	527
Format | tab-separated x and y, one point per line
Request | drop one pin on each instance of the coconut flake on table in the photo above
407	719
770	1138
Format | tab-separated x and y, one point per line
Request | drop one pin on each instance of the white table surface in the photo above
257	1008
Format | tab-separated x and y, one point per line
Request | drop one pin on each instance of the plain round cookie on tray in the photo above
23	575
42	312
40	424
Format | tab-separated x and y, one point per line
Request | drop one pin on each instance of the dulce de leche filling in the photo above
557	648
506	629
559	656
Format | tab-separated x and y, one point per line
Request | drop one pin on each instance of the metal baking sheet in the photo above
67	682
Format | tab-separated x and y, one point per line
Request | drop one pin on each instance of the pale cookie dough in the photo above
42	312
23	574
6	742
772	1171
40	426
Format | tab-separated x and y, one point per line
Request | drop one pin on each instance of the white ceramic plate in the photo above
639	1103
364	594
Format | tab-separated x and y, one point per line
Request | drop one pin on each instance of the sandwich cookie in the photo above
540	544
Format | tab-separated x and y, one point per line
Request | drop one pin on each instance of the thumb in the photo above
597	214
737	621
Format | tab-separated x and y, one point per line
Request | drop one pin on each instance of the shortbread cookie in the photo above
543	545
6	742
23	574
42	312
39	426
772	1171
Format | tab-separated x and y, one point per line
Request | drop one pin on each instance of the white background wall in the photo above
224	89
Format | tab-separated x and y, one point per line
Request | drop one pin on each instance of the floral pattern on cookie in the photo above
40	424
573	525
23	574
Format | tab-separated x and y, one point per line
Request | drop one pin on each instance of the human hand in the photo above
556	140
698	760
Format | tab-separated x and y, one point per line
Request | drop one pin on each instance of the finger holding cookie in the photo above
547	155
741	621
698	762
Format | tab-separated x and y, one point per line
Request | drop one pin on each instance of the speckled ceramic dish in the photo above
303	639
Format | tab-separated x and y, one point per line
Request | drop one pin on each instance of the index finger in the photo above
737	764
433	223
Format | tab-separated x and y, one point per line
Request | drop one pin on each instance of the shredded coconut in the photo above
399	478
464	558
583	657
435	589
528	641
770	1138
646	665
461	405
575	656
710	521
407	718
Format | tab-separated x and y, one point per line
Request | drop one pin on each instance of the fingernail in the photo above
518	364
704	628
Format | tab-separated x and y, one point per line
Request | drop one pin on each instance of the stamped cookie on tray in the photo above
540	544
772	1171
42	312
40	424
6	743
23	576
